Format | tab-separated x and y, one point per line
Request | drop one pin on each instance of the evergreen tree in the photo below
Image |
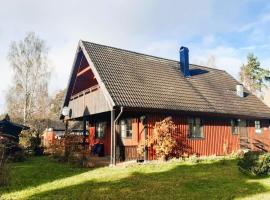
252	76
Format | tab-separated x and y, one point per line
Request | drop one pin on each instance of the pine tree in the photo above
252	76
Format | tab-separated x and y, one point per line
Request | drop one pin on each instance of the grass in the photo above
42	178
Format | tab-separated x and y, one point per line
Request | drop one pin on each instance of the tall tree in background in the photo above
56	104
28	96
211	62
253	76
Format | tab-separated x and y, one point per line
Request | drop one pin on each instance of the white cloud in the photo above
265	63
226	58
5	77
208	40
256	25
246	27
154	27
164	48
61	60
265	18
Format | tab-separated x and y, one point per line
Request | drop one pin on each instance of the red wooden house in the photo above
120	94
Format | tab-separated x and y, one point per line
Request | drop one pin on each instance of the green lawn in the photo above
42	178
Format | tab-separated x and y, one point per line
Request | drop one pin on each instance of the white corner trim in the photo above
100	82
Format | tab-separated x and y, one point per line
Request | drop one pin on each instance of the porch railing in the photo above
88	102
84	92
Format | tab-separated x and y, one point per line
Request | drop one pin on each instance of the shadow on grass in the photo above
36	171
200	181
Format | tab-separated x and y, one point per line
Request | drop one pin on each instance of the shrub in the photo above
36	145
17	155
4	171
194	158
39	151
162	140
4	174
12	150
30	140
255	163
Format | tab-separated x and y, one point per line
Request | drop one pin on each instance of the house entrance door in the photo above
244	138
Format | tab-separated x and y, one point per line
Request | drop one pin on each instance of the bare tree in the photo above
56	103
28	60
211	62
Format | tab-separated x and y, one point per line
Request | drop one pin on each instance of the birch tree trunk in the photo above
28	60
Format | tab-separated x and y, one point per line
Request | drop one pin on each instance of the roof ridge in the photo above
131	51
149	55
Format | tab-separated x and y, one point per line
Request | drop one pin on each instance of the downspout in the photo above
84	132
114	135
112	127
145	155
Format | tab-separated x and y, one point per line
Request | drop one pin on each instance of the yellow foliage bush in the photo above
162	140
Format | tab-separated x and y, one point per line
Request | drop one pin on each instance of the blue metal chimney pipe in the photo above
184	61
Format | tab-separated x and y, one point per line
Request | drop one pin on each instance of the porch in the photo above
101	131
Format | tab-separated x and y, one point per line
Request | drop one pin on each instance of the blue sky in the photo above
227	30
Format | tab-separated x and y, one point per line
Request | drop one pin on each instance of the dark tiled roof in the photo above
138	80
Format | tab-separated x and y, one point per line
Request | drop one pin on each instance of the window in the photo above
126	128
195	127
234	126
100	129
258	128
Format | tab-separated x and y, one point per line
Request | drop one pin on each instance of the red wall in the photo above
217	139
217	134
259	139
137	130
48	138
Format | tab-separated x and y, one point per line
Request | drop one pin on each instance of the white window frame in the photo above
196	127
100	129
258	126
126	128
234	126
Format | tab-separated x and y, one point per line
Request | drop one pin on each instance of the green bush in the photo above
255	163
4	170
17	156
31	141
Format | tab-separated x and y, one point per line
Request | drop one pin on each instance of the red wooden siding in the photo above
48	138
134	140
131	153
218	138
217	134
131	144
259	139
